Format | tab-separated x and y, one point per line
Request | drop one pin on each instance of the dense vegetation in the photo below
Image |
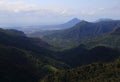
94	57
110	39
90	73
18	66
23	60
82	56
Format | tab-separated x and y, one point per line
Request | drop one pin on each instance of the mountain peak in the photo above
70	23
75	20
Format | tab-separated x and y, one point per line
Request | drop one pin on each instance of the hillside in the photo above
17	65
98	72
111	39
18	39
82	56
96	55
23	60
82	30
12	32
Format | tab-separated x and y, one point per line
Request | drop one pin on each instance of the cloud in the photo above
16	6
24	7
25	12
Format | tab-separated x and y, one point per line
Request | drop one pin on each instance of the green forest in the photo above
86	52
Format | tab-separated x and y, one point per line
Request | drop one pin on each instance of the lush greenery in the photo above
17	65
24	59
110	39
83	30
82	56
90	73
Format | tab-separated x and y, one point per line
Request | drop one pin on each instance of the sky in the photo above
45	12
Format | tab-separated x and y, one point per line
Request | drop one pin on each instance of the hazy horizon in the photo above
36	12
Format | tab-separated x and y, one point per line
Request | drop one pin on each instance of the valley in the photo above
86	52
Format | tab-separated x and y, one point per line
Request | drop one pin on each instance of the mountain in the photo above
110	39
104	19
25	59
92	50
12	32
79	32
45	30
20	40
100	70
69	24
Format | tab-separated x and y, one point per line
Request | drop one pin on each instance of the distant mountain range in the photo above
104	19
42	28
79	32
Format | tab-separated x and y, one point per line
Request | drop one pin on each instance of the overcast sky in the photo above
41	12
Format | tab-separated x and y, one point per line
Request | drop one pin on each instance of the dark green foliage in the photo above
24	59
13	39
82	56
12	32
91	73
18	66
